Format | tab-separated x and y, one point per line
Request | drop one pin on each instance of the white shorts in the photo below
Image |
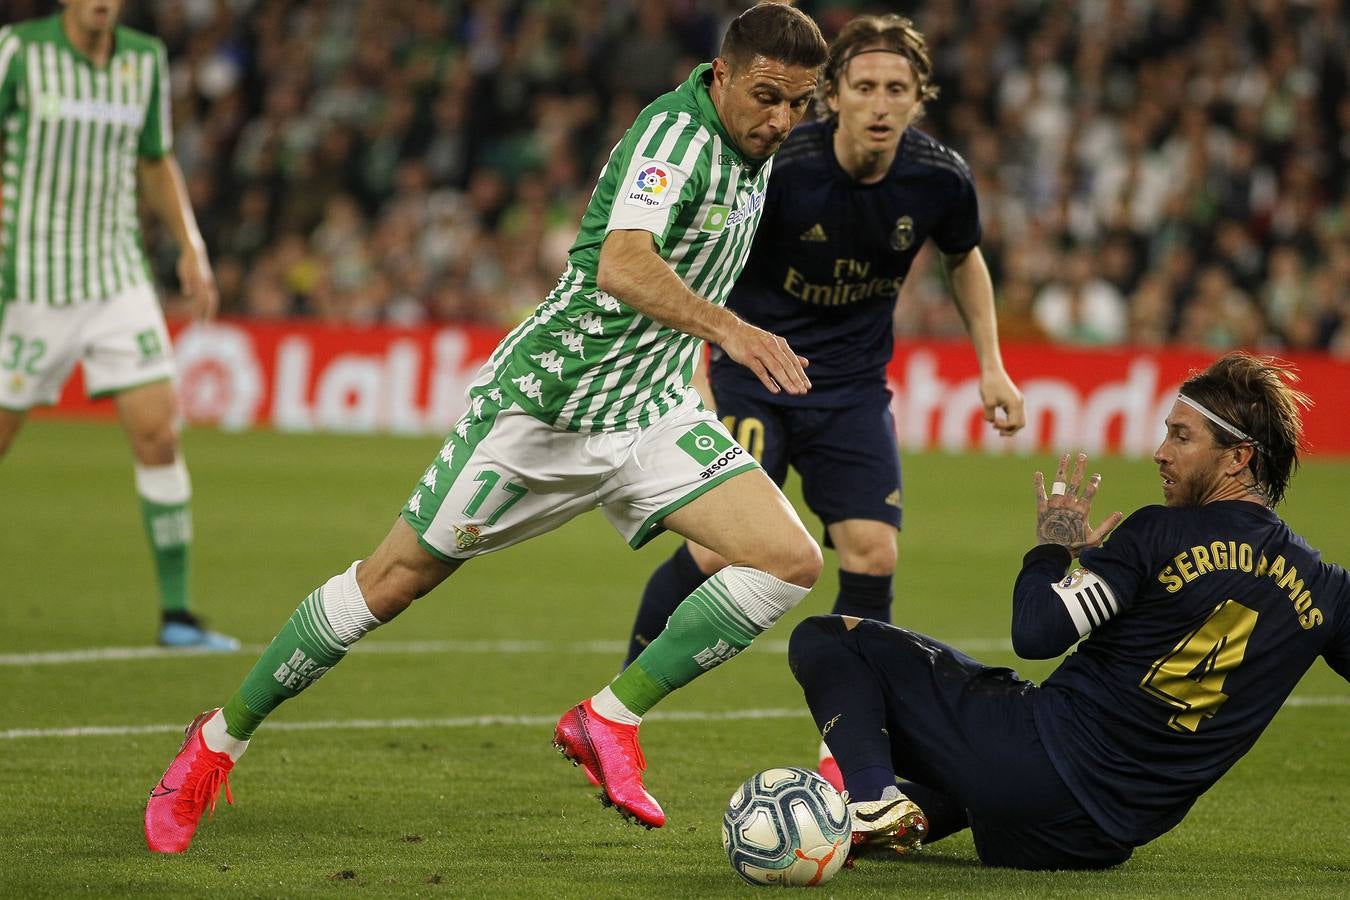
504	476
121	342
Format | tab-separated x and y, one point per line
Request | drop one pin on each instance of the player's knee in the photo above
811	645
871	558
798	561
389	586
155	445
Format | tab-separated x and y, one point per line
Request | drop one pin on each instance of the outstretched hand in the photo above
769	357
1062	516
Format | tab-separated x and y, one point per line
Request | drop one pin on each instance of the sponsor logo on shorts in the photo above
151	347
467	536
704	443
710	448
722	462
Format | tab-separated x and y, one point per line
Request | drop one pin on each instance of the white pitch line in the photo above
14	734
496	647
370	724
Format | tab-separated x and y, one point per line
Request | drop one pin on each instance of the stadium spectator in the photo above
1175	123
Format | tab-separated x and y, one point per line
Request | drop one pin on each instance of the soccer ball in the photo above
786	827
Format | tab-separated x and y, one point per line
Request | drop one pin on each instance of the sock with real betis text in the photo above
313	640
164	492
714	623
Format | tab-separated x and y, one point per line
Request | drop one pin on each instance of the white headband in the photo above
1226	426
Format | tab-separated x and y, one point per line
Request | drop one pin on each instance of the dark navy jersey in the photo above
1201	620
830	255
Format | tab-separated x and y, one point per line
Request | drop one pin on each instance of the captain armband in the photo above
1087	598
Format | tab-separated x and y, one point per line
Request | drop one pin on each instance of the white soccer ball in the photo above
786	827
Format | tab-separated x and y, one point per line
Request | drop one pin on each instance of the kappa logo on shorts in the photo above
709	447
467	536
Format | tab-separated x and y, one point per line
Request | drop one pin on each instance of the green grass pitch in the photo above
423	765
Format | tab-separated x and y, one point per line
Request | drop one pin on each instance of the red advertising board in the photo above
302	376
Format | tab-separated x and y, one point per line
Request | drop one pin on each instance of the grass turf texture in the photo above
445	805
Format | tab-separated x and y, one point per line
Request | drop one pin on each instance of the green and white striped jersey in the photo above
584	361
72	133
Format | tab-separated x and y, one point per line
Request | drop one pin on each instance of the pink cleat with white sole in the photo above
191	784
609	752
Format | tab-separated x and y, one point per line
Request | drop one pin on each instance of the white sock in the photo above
611	707
167	485
346	608
220	740
763	598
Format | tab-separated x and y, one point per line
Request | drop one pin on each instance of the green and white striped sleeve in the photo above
660	173
157	135
9	51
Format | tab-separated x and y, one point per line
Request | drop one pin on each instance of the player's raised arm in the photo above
1047	614
631	270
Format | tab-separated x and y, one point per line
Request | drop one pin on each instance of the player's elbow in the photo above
1036	644
619	263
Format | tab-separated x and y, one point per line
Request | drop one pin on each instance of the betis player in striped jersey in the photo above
587	404
84	119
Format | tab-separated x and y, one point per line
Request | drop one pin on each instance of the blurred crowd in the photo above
1149	171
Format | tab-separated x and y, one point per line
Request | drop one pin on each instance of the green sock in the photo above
169	528
305	648
706	630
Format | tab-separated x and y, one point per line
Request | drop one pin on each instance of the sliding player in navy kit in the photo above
852	199
1198	618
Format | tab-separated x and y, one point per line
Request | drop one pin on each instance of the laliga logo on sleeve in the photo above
649	187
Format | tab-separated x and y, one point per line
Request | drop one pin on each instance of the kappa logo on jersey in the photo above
651	186
902	238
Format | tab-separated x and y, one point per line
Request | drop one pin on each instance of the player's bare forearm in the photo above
632	271
164	191
973	291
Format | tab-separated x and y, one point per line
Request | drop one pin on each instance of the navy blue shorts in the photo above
848	457
966	730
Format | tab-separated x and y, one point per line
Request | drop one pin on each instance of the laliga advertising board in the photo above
303	376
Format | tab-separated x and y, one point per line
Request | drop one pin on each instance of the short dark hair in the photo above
892	33
1255	395
774	31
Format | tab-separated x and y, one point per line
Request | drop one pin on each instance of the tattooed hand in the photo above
1062	517
1061	526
